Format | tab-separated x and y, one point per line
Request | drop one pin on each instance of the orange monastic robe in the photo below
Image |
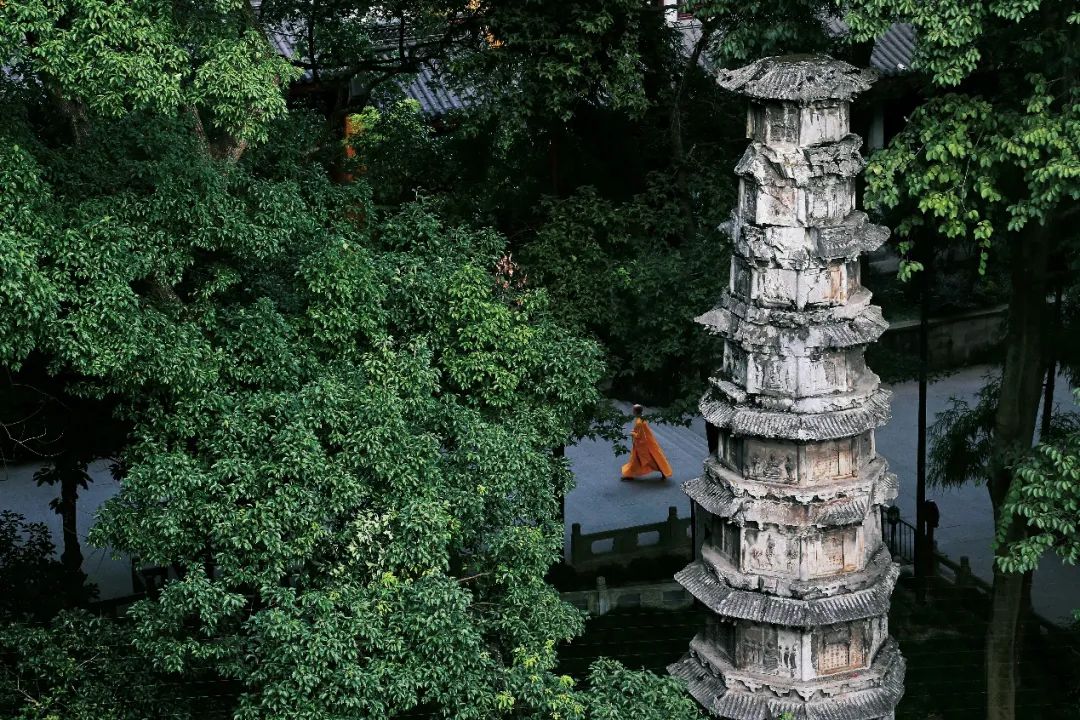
645	455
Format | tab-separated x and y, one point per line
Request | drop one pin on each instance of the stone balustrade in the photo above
621	546
658	596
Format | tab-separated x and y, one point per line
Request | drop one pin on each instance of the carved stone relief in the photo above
769	552
771	374
832	460
771	462
837	553
842	648
823	123
827	201
756	646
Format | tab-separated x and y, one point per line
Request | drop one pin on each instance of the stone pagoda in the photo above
792	564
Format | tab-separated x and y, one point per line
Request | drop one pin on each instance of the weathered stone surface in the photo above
810	321
749	326
825	200
808	588
801	79
798	248
723	491
801	166
806	484
871	701
722	411
795	124
794	289
795	661
718	595
792	563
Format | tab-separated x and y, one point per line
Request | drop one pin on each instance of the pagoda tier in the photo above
792	565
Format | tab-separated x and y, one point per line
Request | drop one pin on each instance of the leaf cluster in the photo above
1002	152
1045	499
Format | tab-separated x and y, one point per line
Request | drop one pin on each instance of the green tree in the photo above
338	418
993	159
80	666
35	584
1046	499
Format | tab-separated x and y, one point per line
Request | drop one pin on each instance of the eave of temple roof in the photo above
721	498
862	329
708	688
799	248
873	480
745	420
801	166
826	586
781	318
802	79
721	598
854	236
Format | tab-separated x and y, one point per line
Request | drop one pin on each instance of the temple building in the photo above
792	566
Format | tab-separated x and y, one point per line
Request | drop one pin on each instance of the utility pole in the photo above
922	551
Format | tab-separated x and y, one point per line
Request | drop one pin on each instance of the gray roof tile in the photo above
746	420
722	599
798	78
894	51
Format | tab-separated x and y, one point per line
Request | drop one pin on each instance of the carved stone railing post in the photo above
794	570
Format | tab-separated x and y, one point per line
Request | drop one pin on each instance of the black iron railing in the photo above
898	534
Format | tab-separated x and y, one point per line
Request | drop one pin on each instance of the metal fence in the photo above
898	534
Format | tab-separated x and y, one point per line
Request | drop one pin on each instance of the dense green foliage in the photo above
993	163
333	404
1000	151
339	414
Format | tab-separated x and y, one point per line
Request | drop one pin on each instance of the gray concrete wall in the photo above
955	340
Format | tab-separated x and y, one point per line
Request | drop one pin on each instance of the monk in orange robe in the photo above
645	454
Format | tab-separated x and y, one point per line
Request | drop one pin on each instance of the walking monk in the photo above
645	454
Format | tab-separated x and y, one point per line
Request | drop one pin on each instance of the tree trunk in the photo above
71	557
678	151
1014	429
1022	625
553	160
1000	646
1051	360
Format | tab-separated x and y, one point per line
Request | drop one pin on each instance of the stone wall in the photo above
657	596
955	340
